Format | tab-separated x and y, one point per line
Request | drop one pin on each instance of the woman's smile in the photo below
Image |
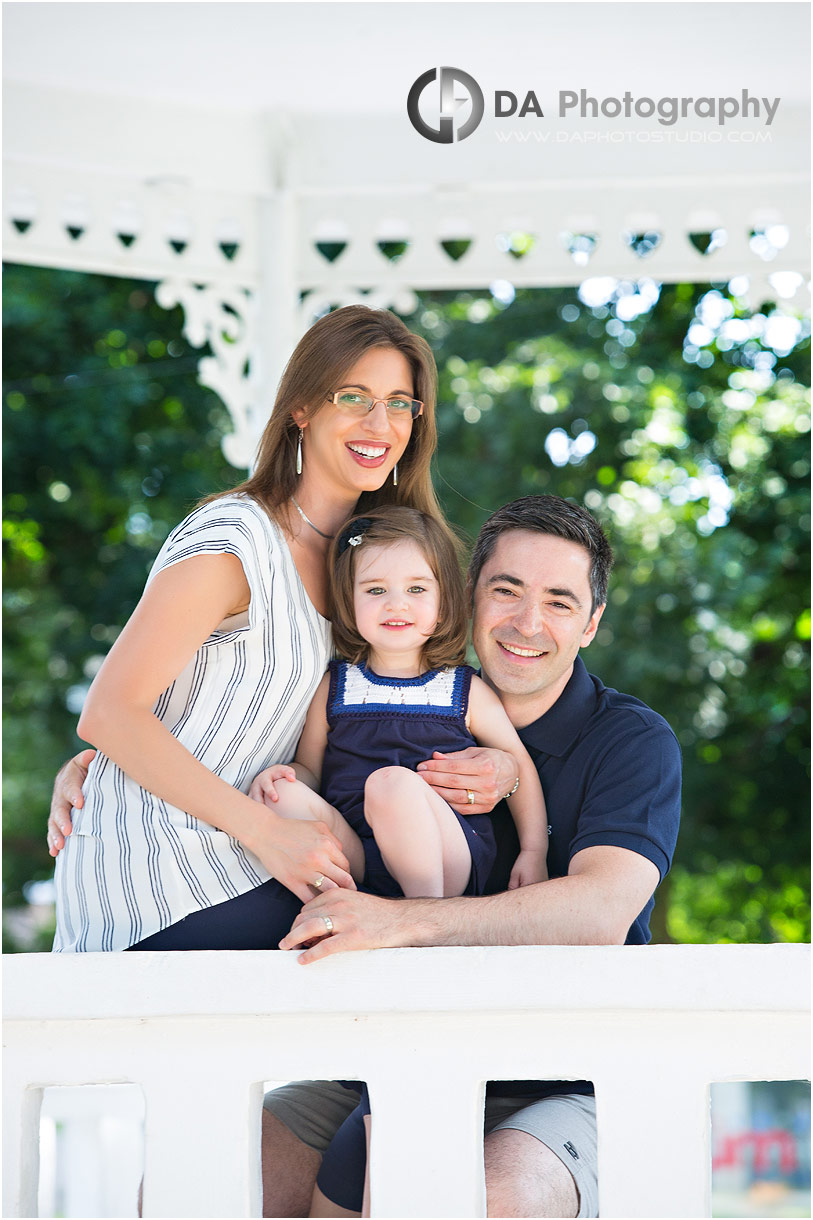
367	455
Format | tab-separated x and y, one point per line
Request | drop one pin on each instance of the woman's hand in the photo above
67	795
300	854
264	786
488	774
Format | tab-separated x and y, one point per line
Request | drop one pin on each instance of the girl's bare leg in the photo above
418	834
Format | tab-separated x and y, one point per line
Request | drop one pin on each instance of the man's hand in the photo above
67	795
488	774
359	921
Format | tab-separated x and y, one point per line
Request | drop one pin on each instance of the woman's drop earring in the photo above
299	453
395	475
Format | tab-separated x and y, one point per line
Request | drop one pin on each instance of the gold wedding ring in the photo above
328	924
317	885
469	796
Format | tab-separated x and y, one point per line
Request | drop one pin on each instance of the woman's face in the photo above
351	454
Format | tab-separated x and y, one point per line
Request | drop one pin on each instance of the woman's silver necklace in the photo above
308	521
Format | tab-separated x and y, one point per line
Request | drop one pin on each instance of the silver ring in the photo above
319	882
469	796
328	924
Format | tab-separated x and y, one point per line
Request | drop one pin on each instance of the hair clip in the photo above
353	534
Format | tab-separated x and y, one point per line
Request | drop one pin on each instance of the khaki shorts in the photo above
315	1109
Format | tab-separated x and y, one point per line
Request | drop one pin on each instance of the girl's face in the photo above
396	597
346	454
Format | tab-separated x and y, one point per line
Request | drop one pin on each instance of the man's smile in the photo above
517	651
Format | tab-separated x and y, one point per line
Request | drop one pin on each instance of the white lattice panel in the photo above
57	216
427	239
470	239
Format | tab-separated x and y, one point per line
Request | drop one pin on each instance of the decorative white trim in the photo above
387	241
322	299
113	224
424	232
224	317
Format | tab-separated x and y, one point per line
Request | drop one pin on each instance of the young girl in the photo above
399	618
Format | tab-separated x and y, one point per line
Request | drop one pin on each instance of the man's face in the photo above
532	614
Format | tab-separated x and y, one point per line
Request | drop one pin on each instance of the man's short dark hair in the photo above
548	515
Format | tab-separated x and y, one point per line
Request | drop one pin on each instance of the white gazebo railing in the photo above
200	1032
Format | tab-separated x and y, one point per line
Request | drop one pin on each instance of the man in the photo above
610	770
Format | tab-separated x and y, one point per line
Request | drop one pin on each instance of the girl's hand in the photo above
488	774
299	853
264	789
67	795
529	867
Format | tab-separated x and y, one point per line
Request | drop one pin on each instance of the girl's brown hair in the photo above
318	366
388	525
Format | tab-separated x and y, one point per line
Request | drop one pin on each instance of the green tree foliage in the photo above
677	415
681	419
108	442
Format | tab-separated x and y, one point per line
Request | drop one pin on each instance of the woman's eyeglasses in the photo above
354	403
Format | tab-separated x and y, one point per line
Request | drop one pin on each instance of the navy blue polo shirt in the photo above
610	770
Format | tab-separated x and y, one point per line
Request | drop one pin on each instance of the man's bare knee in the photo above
524	1178
322	1206
289	1170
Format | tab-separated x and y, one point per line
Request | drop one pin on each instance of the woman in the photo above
210	680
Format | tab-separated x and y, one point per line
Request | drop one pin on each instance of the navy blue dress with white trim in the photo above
379	722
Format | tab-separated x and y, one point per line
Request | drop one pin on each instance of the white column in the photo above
81	1148
653	1143
21	1144
202	1141
426	1152
277	328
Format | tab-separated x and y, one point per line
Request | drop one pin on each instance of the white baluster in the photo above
21	1119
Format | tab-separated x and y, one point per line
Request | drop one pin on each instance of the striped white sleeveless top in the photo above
135	864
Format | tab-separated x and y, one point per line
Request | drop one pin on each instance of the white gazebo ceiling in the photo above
336	76
361	58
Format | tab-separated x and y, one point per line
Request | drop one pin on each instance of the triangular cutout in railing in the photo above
456	247
330	250
644	243
393	250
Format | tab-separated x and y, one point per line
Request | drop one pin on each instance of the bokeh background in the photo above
675	413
